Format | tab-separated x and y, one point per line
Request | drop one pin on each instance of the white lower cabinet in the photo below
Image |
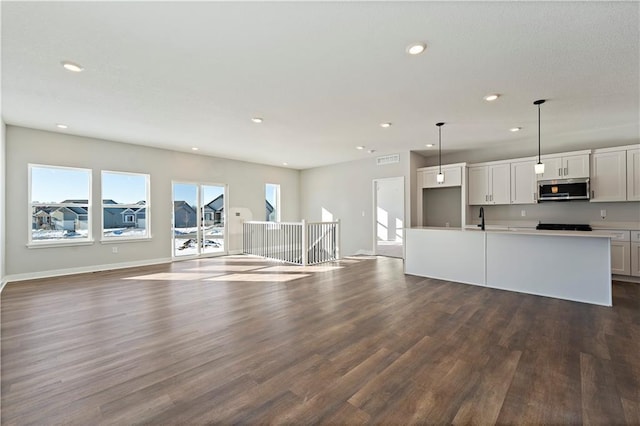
635	253
621	250
620	257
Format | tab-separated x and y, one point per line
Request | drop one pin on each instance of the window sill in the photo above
49	244
118	240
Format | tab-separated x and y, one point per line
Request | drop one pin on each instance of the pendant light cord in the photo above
439	150
539	161
538	103
439	147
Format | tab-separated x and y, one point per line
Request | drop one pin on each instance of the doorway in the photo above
199	225
388	215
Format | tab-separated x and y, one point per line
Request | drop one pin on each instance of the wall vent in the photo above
388	159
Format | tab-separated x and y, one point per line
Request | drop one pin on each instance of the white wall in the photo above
246	189
416	161
2	201
346	190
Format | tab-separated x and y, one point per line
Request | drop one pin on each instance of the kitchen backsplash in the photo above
562	212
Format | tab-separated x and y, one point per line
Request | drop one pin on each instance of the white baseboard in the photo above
364	252
626	278
235	251
82	270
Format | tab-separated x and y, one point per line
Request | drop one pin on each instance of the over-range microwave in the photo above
563	189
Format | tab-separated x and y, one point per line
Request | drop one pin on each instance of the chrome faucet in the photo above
481	218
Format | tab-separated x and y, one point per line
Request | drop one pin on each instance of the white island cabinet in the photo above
566	265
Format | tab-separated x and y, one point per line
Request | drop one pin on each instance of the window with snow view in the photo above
272	196
60	199
125	205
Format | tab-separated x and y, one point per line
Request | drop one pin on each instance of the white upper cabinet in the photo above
427	177
608	176
565	166
633	174
552	168
478	185
523	182
490	184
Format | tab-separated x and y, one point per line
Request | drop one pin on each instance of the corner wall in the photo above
346	191
3	203
246	193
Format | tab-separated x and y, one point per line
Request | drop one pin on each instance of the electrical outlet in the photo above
362	213
114	250
523	213
603	213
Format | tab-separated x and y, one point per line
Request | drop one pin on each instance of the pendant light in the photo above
440	176
539	168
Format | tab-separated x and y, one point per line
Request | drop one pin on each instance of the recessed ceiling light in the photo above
285	164
515	129
257	119
385	125
429	145
371	151
194	149
491	97
72	66
61	126
360	147
416	48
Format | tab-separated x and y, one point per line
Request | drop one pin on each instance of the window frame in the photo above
133	207
31	243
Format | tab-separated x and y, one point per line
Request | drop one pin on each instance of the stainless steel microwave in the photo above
563	189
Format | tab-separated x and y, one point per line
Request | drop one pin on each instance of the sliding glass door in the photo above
199	225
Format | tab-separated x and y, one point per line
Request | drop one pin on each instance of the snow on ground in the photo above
58	234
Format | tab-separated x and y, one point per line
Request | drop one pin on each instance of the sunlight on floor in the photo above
172	276
239	260
258	277
293	268
226	268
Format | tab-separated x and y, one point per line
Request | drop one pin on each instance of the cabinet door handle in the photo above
566	171
560	171
593	194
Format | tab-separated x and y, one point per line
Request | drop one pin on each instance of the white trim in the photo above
2	284
83	269
135	208
88	205
233	252
59	243
374	215
363	252
625	278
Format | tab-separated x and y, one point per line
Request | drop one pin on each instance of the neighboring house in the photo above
69	218
41	219
184	215
271	214
119	217
214	211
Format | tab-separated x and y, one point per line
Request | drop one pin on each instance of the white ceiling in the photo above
324	75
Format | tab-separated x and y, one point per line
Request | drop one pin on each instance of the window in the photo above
60	204
272	196
125	205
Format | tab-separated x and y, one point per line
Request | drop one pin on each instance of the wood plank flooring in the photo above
362	343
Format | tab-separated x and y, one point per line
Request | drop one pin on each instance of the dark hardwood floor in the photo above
216	341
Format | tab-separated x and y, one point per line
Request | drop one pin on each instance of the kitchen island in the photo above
566	265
